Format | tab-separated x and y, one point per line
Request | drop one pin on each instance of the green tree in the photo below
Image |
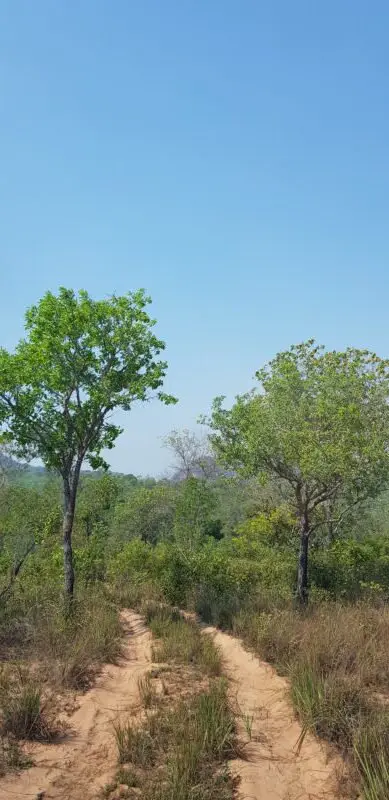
319	425
28	518
195	515
147	513
80	361
97	496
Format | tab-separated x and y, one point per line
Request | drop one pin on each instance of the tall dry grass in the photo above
337	660
46	651
76	644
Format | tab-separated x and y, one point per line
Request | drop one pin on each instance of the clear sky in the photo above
232	157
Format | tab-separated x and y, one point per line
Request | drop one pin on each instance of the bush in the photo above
353	569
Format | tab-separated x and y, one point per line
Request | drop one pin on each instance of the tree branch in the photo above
337	520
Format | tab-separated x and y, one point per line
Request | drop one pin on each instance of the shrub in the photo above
353	569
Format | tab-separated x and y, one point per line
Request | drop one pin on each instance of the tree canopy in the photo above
319	422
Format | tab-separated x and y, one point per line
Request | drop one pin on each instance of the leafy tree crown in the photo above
80	361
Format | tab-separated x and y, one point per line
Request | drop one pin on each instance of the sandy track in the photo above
85	761
274	770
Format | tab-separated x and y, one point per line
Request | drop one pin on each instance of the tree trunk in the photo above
68	518
70	486
302	573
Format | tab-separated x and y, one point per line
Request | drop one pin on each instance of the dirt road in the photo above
85	761
274	770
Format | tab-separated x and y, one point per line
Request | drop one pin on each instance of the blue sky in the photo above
230	157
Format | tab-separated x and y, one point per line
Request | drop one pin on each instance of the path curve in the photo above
80	766
273	769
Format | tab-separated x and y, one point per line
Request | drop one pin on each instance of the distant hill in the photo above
22	474
34	475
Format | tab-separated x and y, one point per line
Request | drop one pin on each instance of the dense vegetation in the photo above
287	499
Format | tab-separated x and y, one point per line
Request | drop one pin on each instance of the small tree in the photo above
81	360
320	424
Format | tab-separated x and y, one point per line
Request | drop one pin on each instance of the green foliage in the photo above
147	513
90	558
81	359
353	569
276	528
319	425
195	513
96	500
321	419
134	563
30	522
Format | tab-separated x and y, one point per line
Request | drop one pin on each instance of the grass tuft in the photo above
134	745
371	749
76	645
147	691
11	756
22	714
182	751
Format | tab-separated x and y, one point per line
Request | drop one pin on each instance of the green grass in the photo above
134	745
181	641
332	706
371	749
182	751
147	691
